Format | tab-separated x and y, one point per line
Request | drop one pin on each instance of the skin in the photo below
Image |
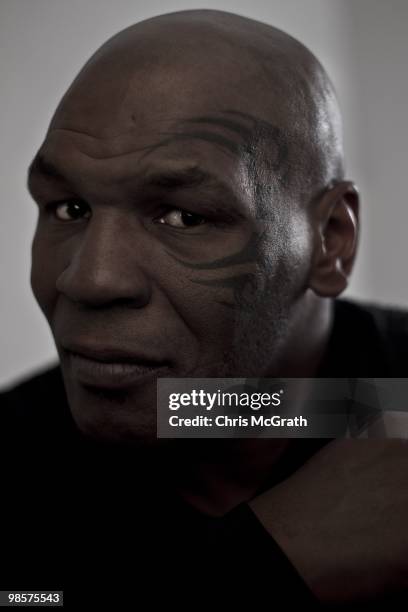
149	129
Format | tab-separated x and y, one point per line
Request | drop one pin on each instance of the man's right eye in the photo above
69	210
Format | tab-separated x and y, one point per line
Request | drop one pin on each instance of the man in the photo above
194	220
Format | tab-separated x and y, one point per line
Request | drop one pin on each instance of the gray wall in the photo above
363	45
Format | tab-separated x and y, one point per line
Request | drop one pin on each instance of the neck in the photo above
217	475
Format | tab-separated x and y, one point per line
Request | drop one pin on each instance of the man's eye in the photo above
70	210
181	219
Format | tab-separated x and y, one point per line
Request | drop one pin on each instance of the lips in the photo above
112	368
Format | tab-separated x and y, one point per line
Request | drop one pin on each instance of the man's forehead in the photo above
227	128
231	141
196	100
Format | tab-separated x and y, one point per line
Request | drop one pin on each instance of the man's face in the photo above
154	254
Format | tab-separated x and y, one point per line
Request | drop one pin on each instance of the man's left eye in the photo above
181	219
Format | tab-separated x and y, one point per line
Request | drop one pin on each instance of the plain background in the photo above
362	43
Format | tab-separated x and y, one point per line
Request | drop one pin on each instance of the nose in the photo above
105	265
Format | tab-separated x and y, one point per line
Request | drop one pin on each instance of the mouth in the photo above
112	369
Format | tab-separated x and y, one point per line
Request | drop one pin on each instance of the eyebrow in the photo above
45	167
183	178
192	177
189	177
180	178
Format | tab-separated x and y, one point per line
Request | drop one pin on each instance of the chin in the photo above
114	415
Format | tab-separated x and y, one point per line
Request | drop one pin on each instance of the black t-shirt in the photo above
106	529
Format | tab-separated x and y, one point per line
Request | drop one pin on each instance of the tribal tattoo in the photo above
243	285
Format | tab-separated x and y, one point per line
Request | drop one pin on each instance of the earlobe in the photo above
336	237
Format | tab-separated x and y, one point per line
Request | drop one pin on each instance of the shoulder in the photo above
37	401
390	320
32	387
380	332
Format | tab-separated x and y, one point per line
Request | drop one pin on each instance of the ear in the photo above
336	235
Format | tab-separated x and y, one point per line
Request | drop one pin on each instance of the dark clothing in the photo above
85	519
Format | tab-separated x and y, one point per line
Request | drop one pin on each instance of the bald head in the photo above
247	86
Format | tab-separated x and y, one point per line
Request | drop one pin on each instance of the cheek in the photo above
202	308
44	273
287	255
270	302
241	305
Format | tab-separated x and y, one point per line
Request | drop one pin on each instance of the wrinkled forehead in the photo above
176	110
